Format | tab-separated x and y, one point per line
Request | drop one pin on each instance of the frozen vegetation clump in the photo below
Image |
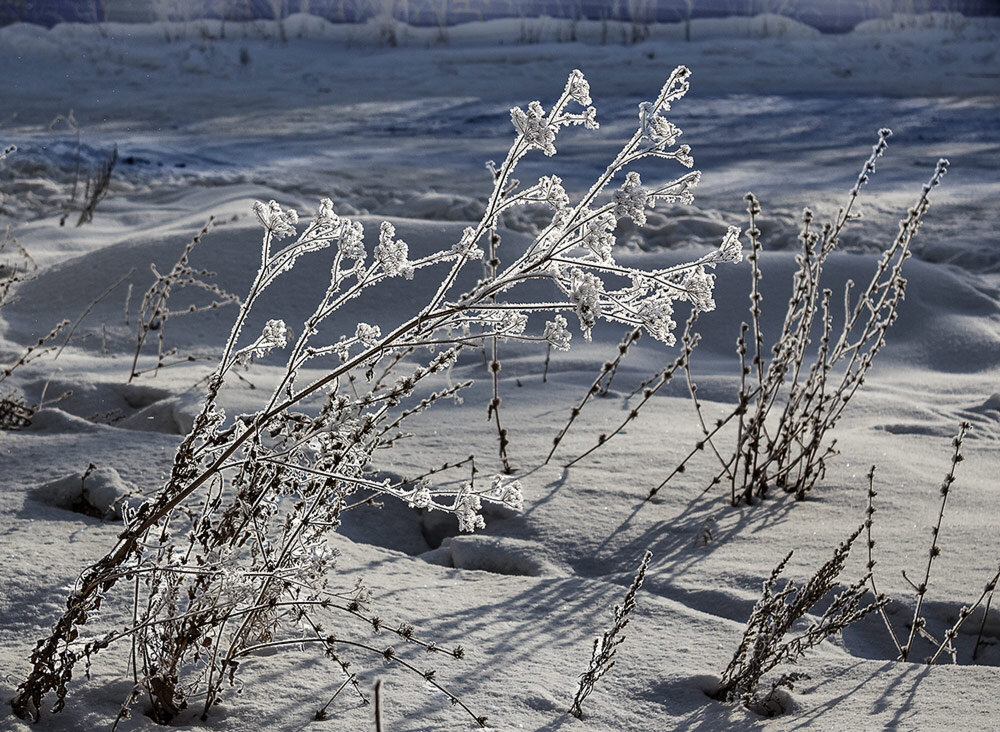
232	557
789	405
777	615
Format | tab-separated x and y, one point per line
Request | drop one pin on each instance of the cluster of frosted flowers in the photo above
598	236
698	285
391	253
557	334
420	497
368	335
466	508
279	222
657	130
352	242
468	503
273	336
578	88
553	193
585	292
348	234
630	200
534	128
507	493
731	249
656	315
538	129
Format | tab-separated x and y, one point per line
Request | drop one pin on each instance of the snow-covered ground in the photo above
204	124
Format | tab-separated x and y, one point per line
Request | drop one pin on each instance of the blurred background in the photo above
828	16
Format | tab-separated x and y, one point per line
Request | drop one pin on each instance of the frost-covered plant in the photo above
17	263
918	623
97	187
154	311
70	122
16	266
776	614
788	406
232	556
602	657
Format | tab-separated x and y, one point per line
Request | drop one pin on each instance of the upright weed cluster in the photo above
14	411
788	406
232	557
98	182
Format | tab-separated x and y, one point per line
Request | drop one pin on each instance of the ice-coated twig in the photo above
601	384
154	310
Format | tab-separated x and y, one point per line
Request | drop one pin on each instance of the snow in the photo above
402	134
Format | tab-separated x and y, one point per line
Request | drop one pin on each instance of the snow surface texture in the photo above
205	124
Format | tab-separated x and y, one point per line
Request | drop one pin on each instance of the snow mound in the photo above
438	207
96	402
992	404
173	416
495	554
53	419
100	493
